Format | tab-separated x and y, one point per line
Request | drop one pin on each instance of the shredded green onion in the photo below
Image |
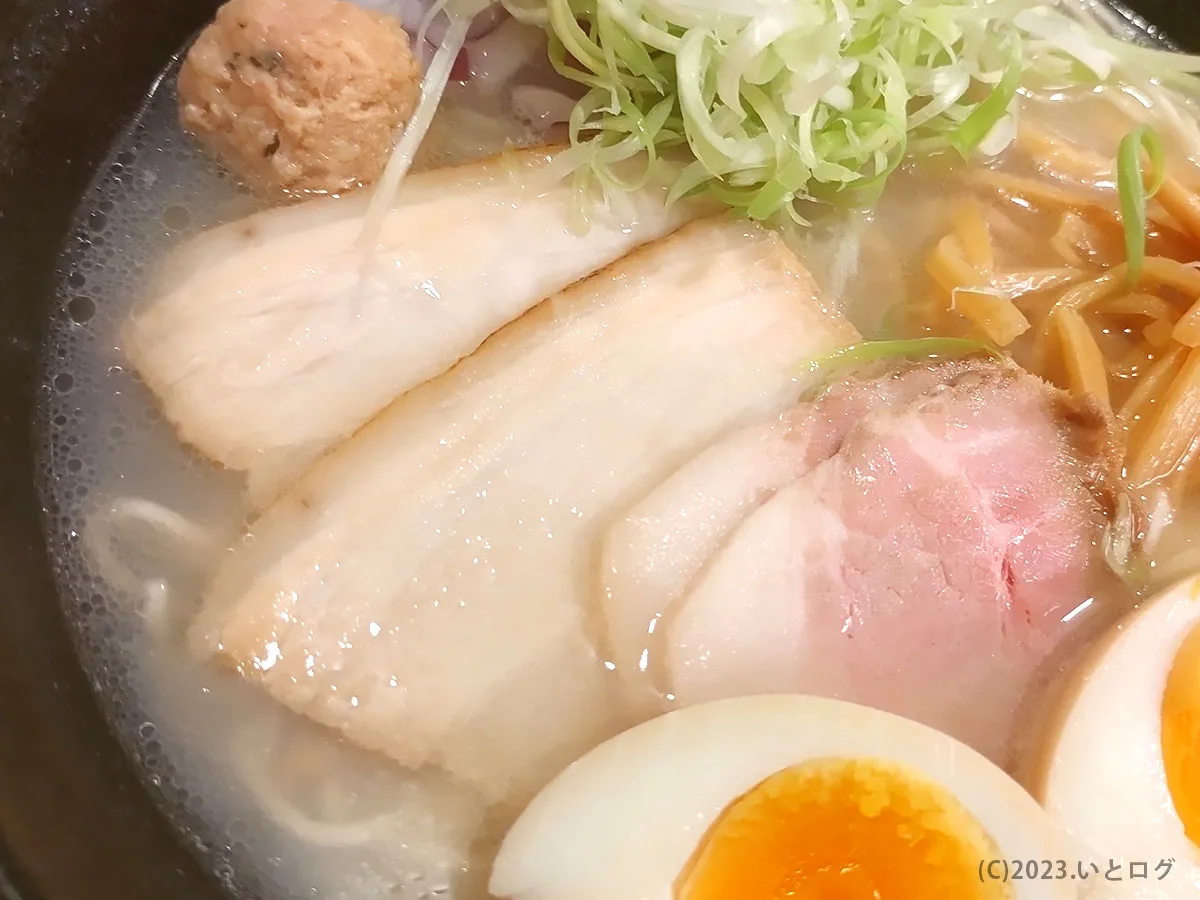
1133	191
766	105
865	352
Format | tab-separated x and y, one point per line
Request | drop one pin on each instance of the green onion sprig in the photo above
1134	192
865	352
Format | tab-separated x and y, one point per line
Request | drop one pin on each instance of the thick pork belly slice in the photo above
270	339
911	542
430	587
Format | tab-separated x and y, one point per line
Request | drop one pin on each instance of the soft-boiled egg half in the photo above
1122	770
774	797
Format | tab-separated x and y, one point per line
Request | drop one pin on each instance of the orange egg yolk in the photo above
1181	734
838	829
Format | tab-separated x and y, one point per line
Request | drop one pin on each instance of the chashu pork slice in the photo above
268	340
911	541
430	587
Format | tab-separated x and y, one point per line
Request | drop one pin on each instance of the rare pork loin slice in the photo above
911	540
430	588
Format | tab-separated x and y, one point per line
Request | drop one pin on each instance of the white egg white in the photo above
1104	779
623	821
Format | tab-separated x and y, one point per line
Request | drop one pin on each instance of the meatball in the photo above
300	95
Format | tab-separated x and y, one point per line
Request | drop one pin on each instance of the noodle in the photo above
1150	386
950	269
1187	330
1182	205
1024	286
1171	273
1062	158
1139	304
1132	364
974	237
1031	190
261	781
1156	270
1075	299
1158	334
1066	250
103	537
1170	442
1010	233
1081	240
972	295
1178	209
997	316
1082	357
